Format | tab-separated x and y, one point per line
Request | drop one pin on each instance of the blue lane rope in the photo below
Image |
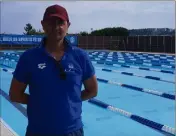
154	62
123	65
147	59
154	125
110	62
149	91
134	60
147	56
122	61
7	70
149	123
106	63
133	55
133	74
135	67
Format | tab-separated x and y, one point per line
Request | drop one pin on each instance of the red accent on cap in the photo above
56	11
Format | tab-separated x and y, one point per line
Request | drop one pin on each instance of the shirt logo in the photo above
70	68
41	65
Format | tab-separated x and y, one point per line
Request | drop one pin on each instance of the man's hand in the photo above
91	88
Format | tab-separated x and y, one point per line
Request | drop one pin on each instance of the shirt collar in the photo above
66	44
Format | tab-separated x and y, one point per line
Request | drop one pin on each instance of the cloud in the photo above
162	7
85	15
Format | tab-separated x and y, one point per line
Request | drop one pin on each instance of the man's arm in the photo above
17	92
20	81
91	88
89	78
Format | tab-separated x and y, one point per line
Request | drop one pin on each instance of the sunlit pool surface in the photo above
102	121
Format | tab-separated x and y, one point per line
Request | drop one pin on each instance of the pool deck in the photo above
5	130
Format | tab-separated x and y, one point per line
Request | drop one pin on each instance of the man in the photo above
55	72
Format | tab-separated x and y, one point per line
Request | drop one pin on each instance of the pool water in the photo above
101	121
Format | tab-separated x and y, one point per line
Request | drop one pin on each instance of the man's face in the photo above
55	28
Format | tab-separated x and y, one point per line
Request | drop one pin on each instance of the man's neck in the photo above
54	46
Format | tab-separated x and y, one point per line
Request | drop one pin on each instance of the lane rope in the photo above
149	123
122	61
154	125
133	74
149	91
115	65
136	67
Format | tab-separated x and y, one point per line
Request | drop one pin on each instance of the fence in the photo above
162	44
165	44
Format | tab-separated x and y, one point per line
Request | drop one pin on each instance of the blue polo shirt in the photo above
54	105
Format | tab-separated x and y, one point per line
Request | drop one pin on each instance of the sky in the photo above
85	15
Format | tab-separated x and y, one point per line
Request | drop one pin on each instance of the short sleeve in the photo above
21	72
88	69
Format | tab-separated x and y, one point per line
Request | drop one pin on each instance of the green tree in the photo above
114	31
39	32
84	33
29	30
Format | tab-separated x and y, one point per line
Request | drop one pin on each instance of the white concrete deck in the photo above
6	130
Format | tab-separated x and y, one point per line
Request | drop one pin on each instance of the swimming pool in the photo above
136	94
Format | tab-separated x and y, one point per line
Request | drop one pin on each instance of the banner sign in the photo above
73	39
29	39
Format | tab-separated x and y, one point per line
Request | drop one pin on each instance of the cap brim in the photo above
57	16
